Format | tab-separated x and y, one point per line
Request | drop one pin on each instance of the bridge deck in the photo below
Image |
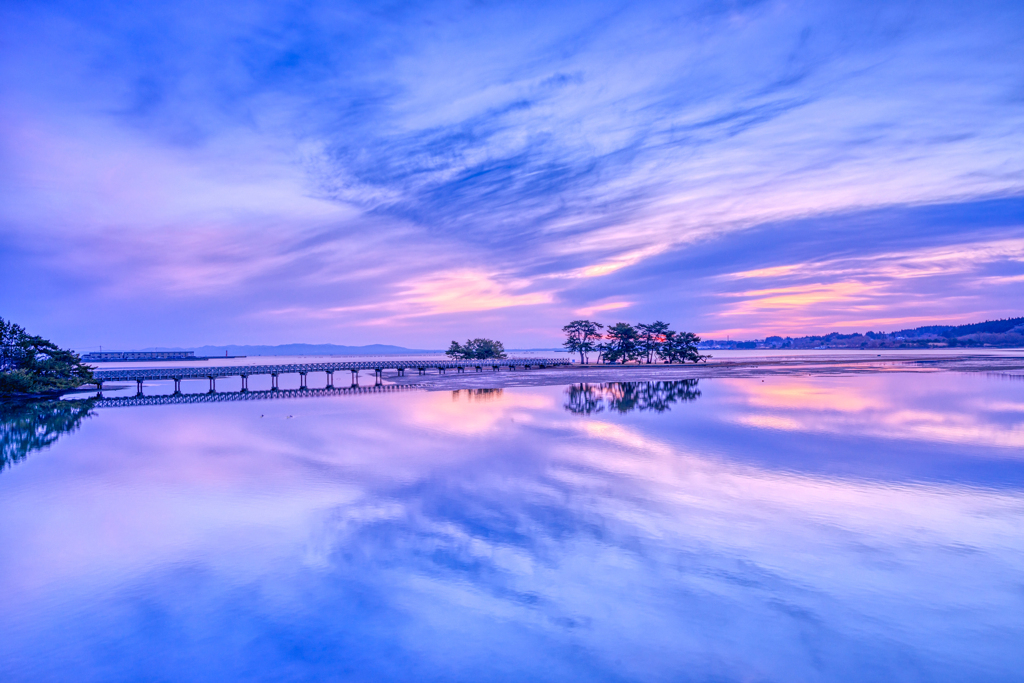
179	373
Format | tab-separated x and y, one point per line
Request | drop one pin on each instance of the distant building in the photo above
109	356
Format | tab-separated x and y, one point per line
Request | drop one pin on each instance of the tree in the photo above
455	351
650	338
581	336
33	365
621	344
680	347
476	349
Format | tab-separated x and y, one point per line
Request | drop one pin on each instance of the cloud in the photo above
600	308
569	155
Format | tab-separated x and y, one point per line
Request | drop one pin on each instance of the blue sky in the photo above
192	173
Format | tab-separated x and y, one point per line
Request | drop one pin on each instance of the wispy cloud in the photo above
522	161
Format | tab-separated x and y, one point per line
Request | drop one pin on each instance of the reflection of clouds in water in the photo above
493	410
427	533
623	542
930	408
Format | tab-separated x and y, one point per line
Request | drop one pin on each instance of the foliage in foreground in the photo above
33	365
33	426
476	349
622	342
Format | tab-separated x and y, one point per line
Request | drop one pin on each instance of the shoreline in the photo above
1011	366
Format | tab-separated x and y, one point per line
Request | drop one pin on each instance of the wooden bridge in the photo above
177	374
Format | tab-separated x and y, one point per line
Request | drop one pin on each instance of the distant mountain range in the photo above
1008	332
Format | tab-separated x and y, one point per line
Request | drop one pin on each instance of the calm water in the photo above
855	528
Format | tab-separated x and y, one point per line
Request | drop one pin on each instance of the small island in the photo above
624	343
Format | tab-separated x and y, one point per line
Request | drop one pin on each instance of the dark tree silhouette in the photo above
33	365
581	338
680	347
476	349
620	344
623	342
650	338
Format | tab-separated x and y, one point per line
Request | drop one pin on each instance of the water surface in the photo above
854	528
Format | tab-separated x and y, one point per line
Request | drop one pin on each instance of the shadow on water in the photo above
33	426
625	397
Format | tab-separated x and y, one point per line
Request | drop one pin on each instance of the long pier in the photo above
177	374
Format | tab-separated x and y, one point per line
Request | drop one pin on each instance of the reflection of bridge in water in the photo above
177	374
215	397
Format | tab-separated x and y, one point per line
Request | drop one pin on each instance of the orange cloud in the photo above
454	291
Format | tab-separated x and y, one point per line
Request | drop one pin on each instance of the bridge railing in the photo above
179	373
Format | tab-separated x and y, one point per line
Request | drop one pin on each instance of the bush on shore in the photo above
476	349
33	365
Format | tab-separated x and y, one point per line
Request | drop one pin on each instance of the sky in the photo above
179	174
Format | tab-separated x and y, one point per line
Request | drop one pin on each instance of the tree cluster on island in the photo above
623	343
476	349
31	365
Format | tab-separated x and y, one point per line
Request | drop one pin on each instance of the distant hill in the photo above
1005	333
987	327
298	350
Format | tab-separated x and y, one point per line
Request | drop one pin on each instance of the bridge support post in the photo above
440	370
401	372
355	378
423	371
245	382
330	379
460	369
177	385
378	374
479	368
138	384
273	381
213	385
302	380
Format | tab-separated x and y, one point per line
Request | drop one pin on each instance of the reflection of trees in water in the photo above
33	426
623	397
477	394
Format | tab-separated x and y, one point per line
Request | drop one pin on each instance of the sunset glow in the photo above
265	173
